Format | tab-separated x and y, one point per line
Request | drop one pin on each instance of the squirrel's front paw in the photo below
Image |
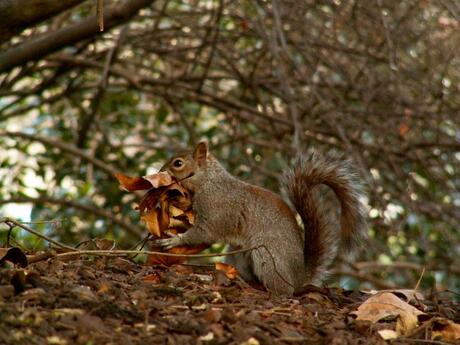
168	243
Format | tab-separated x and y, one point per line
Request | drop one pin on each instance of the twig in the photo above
100	14
125	224
63	147
9	221
425	341
8	236
54	221
38	47
120	252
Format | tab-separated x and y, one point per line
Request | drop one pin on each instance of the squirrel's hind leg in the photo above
243	263
276	276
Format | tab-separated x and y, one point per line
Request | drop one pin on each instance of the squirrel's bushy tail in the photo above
321	237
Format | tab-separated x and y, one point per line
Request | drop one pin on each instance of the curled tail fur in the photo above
321	237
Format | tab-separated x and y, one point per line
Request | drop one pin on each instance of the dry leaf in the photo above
179	197
446	330
406	323
173	260
408	294
176	222
150	199
103	287
151	220
388	334
386	304
190	217
174	211
166	210
230	271
159	180
152	278
133	183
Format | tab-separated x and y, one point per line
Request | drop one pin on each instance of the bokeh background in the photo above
262	81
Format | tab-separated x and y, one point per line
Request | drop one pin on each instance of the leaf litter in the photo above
82	299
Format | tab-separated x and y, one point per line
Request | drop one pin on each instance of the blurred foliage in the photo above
262	81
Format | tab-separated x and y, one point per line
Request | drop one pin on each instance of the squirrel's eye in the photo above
178	163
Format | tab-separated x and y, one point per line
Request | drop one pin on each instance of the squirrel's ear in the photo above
201	152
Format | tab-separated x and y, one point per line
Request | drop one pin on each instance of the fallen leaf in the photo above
217	329
408	294
55	340
173	260
446	330
103	287
250	341
386	304
403	128
152	278
388	334
206	337
230	271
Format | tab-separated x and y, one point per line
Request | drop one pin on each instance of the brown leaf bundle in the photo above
166	209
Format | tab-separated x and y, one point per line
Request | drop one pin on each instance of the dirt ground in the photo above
116	301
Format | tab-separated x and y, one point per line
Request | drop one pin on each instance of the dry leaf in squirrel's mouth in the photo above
166	209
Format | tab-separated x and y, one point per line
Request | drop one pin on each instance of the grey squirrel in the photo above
231	211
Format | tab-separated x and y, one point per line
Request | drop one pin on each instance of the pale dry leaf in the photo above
176	223
207	337
250	341
388	334
406	323
159	180
386	304
409	294
174	211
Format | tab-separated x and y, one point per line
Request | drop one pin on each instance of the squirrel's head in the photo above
185	165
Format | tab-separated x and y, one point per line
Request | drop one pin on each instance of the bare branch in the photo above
37	48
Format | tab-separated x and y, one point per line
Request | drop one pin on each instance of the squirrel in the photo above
243	215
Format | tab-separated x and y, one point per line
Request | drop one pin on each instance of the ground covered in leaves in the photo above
112	300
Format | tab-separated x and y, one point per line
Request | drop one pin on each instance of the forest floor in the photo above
116	301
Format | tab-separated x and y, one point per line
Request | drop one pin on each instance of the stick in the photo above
9	221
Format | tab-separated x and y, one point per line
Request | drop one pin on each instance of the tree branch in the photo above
39	47
125	224
14	18
64	147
